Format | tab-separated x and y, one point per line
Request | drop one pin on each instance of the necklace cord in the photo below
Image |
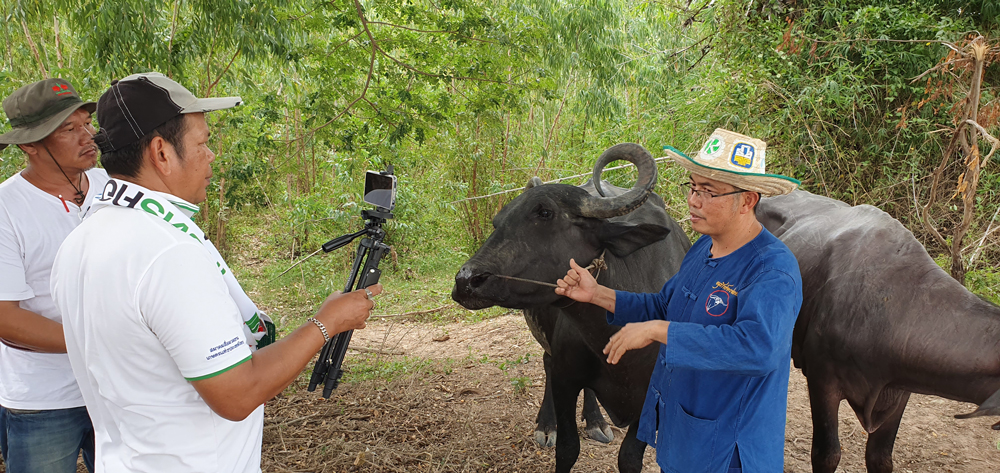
79	193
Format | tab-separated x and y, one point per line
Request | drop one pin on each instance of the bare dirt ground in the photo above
463	397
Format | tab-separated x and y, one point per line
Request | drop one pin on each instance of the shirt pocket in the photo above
692	442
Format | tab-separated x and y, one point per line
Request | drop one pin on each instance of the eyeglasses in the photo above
689	189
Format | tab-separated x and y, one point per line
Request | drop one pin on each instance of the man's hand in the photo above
343	312
635	336
580	285
235	393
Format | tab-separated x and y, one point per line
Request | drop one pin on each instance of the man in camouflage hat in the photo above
43	422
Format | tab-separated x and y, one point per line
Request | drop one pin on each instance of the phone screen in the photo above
380	190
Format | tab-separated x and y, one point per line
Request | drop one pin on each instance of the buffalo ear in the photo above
534	182
624	238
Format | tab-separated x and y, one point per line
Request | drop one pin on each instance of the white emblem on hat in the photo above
714	146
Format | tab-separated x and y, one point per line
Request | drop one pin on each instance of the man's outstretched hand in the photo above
580	285
634	336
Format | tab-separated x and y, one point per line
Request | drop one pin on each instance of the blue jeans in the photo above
47	441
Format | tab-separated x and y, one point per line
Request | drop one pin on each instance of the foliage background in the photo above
469	98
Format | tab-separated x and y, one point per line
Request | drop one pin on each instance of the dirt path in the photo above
463	397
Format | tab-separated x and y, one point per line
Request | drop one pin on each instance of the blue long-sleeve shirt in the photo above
721	380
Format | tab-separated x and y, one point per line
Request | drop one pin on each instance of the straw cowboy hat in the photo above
737	160
37	109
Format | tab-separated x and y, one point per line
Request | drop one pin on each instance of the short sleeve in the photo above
185	303
13	282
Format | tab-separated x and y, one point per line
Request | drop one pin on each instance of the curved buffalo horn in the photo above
535	181
607	207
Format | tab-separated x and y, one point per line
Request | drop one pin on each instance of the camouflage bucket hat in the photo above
37	109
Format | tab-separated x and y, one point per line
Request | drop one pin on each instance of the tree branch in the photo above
34	50
55	27
170	43
377	50
368	78
453	33
348	40
217	79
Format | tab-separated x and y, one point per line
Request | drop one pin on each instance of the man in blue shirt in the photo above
718	394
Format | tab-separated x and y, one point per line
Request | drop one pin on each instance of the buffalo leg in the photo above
878	450
597	427
564	396
631	452
824	399
545	429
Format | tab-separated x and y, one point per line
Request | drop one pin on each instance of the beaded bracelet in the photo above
322	328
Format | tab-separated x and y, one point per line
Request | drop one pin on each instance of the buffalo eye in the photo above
544	213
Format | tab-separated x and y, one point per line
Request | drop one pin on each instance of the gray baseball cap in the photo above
37	109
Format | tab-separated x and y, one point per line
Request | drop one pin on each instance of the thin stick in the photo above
597	263
290	421
989	229
418	312
296	264
376	351
540	283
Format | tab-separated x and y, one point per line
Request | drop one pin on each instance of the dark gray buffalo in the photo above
879	320
534	237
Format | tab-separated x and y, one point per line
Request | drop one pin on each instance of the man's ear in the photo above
31	149
752	199
160	155
624	238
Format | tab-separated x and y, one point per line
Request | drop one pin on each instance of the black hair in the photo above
127	161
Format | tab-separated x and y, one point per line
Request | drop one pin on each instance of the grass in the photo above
413	283
367	367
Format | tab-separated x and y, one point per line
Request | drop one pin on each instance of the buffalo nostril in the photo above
478	280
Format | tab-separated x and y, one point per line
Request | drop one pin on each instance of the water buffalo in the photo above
879	320
534	237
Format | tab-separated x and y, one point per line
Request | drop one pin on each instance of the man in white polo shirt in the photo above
44	425
155	324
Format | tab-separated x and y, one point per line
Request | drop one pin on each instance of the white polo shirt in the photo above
33	223
145	311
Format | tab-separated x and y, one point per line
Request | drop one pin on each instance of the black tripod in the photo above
370	252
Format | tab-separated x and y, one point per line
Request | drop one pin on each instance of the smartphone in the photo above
380	189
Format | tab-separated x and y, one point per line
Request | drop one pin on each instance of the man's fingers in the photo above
617	346
611	344
615	355
375	290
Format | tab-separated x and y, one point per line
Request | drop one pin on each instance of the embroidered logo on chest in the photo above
717	303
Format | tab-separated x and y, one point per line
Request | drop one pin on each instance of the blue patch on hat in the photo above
743	154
